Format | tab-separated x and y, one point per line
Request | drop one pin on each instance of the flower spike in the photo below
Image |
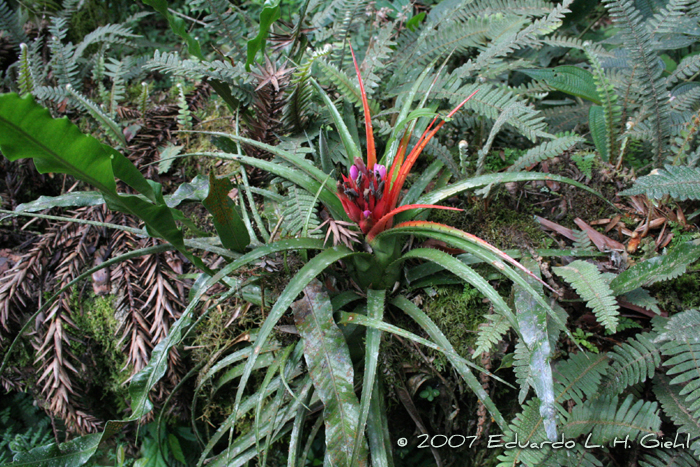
371	151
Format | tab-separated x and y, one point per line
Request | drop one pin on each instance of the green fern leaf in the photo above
648	70
678	182
546	150
491	332
683	347
676	408
668	457
297	206
656	269
604	421
589	284
579	376
631	363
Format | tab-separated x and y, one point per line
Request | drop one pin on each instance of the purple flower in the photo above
354	172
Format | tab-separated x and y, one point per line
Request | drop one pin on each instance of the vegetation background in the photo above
186	277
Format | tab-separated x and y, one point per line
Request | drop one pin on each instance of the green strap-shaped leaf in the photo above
351	148
328	359
569	79
74	199
229	225
596	123
656	269
269	14
532	321
375	310
589	284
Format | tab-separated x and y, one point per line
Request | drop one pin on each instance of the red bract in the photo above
370	194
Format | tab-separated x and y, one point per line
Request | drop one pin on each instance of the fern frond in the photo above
686	70
25	78
377	57
50	93
612	112
642	297
677	409
110	127
575	43
566	117
683	348
546	150
10	22
631	363
667	19
297	206
300	92
589	284
528	428
648	73
665	458
193	69
346	85
605	421
224	20
63	59
491	332
107	34
656	269
116	70
678	182
579	376
492	101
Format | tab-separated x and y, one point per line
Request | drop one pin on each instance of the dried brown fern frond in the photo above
60	367
265	122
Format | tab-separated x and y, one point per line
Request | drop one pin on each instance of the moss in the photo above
497	223
681	293
97	322
458	311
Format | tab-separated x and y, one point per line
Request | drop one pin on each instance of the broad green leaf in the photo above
328	360
73	453
57	145
413	23
532	322
596	123
74	199
589	284
459	364
569	79
269	14
194	190
231	229
656	269
375	310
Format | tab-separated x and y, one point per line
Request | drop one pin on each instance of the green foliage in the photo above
678	182
632	362
591	287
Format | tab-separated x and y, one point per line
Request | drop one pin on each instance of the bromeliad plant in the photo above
369	197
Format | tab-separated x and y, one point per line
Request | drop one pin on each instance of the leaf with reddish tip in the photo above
371	151
381	223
